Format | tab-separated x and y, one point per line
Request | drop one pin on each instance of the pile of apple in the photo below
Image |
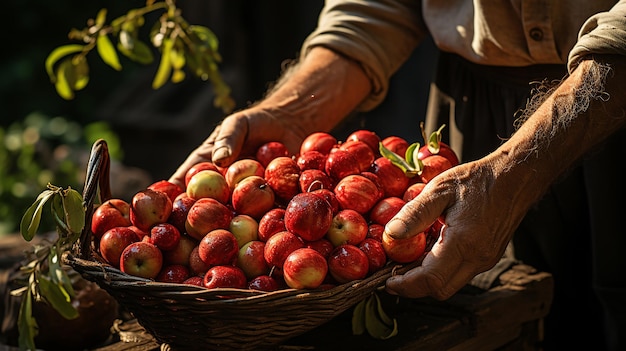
311	220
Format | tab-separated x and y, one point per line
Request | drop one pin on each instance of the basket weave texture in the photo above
186	317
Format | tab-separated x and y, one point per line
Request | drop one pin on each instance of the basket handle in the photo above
97	178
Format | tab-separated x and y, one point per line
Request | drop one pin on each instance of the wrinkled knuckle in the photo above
436	285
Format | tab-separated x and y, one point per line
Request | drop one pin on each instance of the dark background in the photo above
158	128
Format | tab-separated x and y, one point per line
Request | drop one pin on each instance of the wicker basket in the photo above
187	317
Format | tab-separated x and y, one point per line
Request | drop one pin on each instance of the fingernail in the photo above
396	228
221	153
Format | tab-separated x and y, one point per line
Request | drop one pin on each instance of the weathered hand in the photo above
480	218
241	134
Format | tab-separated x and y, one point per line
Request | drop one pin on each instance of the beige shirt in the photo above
381	35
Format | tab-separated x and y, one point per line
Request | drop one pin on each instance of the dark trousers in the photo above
576	231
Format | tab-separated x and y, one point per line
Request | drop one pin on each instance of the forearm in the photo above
587	107
318	92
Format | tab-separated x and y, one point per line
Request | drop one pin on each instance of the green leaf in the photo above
32	217
177	58
396	159
381	311
62	84
74	211
101	17
206	36
58	54
377	326
411	154
358	318
58	275
57	297
80	73
26	324
138	52
107	52
165	66
434	140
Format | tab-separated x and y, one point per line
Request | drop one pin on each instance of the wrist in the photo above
318	92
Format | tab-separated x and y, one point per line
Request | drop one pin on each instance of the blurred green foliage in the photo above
39	150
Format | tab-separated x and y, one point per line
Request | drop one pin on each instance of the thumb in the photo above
416	215
230	139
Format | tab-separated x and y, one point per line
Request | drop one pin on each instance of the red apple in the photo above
180	254
174	273
412	191
141	259
347	227
341	163
434	165
251	259
265	283
367	136
323	246
113	243
111	213
305	268
347	263
328	195
206	215
225	277
318	141
396	144
269	151
375	252
279	246
196	265
435	146
180	208
218	247
357	192
385	209
201	166
361	151
404	250
375	231
271	223
392	179
311	160
172	190
253	196
140	233
309	216
165	236
283	175
241	169
195	280
149	207
208	184
244	228
313	179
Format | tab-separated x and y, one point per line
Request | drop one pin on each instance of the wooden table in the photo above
506	317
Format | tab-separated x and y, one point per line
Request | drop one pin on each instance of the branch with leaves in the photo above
44	278
180	44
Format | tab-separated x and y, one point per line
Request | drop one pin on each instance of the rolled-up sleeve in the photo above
603	33
379	35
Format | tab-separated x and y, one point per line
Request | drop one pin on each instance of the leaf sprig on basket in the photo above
43	278
179	43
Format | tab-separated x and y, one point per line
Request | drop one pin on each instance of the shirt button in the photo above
536	34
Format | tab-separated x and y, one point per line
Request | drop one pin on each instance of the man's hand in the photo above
480	220
241	134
